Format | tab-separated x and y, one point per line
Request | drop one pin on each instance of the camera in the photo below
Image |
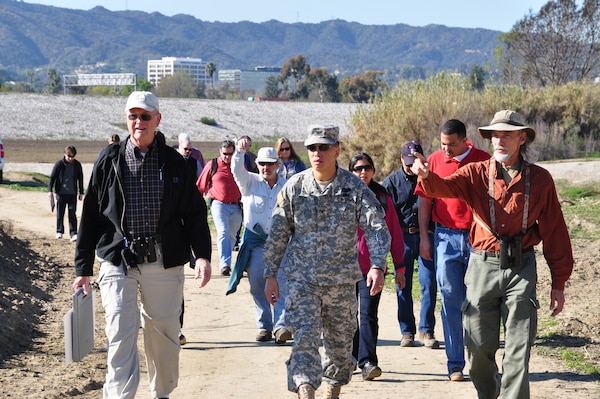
511	251
129	259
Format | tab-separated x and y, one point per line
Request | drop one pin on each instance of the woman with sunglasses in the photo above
290	161
365	339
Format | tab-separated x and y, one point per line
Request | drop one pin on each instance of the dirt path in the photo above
222	360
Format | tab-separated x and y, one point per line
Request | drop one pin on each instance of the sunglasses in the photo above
187	149
266	163
227	154
319	147
362	167
144	117
284	149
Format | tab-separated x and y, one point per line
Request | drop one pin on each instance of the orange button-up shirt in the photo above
545	221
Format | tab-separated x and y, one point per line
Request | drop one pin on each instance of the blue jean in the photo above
365	339
227	218
428	284
265	319
452	251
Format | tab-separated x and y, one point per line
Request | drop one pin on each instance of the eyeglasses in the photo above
319	147
187	149
266	163
360	168
144	117
227	154
284	149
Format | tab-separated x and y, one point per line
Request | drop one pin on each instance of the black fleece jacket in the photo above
183	216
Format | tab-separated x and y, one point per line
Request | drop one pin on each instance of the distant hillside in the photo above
38	36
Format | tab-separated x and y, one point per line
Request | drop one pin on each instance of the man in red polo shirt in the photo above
451	248
225	199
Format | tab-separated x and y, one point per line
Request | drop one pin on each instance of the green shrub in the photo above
566	118
208	121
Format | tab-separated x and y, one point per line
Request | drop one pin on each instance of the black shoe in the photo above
226	271
370	371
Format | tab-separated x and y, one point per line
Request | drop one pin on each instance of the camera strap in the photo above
492	174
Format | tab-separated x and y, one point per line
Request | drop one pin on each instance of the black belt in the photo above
495	254
154	237
229	203
441	226
410	230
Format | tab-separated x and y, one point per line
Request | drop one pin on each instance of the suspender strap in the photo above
491	194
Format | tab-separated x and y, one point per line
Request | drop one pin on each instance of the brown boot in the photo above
331	391
306	391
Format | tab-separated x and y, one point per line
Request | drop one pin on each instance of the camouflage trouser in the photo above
310	310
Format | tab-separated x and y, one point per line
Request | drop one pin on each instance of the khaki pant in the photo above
495	295
161	293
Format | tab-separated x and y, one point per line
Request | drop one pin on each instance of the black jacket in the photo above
183	217
56	177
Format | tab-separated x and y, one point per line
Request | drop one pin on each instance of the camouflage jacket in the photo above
317	230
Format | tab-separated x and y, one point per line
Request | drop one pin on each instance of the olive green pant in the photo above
494	295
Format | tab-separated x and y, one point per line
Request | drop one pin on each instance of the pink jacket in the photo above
397	247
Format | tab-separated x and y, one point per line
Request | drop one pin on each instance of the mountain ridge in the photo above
34	36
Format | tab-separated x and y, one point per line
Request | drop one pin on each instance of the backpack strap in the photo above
213	167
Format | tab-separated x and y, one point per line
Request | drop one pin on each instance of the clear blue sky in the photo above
498	15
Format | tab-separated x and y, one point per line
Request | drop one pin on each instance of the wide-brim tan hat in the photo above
506	121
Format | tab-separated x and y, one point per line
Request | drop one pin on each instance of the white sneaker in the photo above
74	238
58	235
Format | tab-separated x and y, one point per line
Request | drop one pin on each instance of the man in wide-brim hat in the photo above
515	206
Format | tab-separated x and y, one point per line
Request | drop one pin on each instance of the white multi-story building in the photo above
167	66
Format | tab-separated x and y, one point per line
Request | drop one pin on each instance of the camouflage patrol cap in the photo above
322	134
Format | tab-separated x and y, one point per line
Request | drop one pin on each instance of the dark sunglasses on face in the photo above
284	149
320	147
362	167
144	117
227	154
187	149
266	163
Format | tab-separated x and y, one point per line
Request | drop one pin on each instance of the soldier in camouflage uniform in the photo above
314	224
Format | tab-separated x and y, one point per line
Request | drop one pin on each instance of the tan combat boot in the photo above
332	391
306	391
